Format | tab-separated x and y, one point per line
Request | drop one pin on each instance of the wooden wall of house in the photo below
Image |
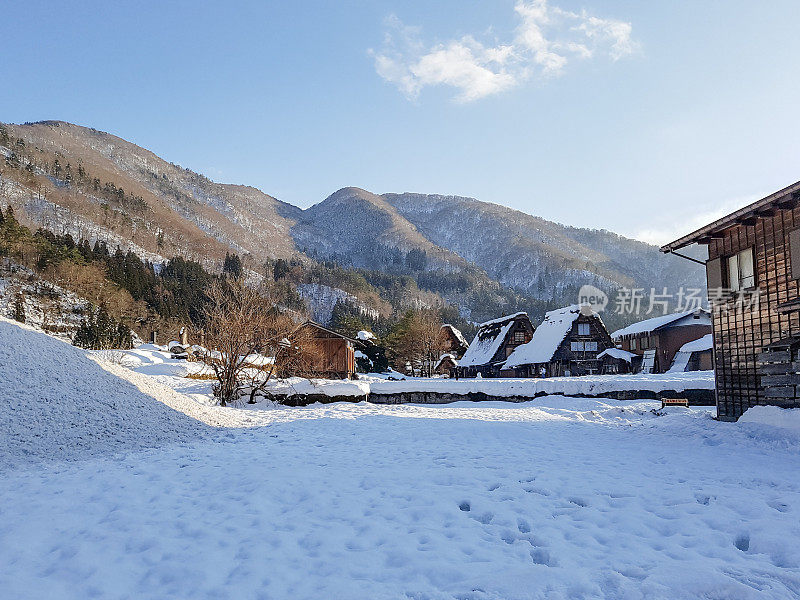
741	333
335	359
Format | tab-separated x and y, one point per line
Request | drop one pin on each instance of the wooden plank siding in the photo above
741	333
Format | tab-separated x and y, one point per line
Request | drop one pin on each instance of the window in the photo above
590	346
519	336
633	343
645	343
741	274
583	329
576	346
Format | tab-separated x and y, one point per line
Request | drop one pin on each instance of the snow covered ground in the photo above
554	498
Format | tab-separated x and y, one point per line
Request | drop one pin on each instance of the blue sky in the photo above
645	118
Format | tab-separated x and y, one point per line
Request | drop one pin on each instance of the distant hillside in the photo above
397	250
536	256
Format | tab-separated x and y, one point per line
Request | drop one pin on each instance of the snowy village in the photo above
581	383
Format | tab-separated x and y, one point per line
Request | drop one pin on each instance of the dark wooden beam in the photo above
789	201
749	221
766	211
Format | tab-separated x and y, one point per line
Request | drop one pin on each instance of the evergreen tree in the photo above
232	265
99	331
280	269
19	308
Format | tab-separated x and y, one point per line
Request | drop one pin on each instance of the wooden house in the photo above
694	356
753	273
566	343
659	338
452	341
335	353
615	361
446	365
493	344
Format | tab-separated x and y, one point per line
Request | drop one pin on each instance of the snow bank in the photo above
569	386
60	402
590	385
786	418
326	387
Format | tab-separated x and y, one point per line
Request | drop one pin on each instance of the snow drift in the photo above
58	402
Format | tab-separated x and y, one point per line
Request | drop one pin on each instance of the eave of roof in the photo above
331	331
788	197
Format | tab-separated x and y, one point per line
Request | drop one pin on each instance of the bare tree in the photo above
293	349
244	327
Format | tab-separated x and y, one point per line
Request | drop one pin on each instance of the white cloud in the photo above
545	41
676	228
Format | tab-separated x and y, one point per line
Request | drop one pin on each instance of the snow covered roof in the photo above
617	353
547	337
501	320
649	325
704	343
442	359
456	333
488	340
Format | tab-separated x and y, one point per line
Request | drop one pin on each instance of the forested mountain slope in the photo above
397	251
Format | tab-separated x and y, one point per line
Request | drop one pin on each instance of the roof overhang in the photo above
316	325
787	198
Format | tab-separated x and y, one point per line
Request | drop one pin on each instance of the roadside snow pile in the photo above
785	418
327	387
58	402
588	385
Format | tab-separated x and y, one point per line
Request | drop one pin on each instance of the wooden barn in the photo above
453	341
658	339
566	343
493	344
753	273
335	358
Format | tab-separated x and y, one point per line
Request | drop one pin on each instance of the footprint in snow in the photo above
464	506
742	542
778	505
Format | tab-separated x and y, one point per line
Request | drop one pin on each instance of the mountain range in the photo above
484	258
